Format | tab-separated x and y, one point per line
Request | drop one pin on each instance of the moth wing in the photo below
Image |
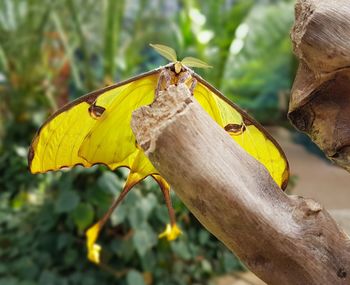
111	139
248	133
58	141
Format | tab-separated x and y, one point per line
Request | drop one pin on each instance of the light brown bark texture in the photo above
320	99
283	239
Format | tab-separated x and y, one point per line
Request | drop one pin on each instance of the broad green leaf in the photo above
203	237
181	249
149	260
136	218
83	216
128	250
135	278
67	201
99	198
230	262
25	268
119	215
162	213
147	204
110	183
144	238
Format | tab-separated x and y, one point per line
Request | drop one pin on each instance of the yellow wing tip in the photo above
94	249
171	232
94	253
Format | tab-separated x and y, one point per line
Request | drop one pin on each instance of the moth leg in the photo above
164	81
167	198
193	85
115	204
184	77
172	231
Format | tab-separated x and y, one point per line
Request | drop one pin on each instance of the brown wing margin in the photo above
89	98
248	120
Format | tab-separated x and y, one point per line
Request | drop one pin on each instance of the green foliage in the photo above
43	241
260	68
134	278
83	216
54	51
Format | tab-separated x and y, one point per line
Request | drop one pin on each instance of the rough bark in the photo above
320	100
283	239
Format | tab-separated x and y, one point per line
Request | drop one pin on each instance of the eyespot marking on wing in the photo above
96	111
235	129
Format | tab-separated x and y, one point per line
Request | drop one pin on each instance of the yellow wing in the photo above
96	129
248	133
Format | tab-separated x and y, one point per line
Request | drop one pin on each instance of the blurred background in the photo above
52	52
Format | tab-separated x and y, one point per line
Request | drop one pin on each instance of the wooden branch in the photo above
320	100
284	240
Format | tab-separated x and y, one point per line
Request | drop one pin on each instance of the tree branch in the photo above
284	240
320	99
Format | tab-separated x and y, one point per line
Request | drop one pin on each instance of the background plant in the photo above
54	51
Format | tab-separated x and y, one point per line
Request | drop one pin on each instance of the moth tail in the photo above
93	232
172	231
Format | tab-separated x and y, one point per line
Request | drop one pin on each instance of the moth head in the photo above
170	54
177	67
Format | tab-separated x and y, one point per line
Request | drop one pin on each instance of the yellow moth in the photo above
95	129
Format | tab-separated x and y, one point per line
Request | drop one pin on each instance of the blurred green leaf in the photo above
27	282
48	277
260	65
162	213
64	240
230	262
99	198
147	204
67	201
70	257
144	238
2	269
135	218
135	278
110	183
181	249
112	31
203	237
83	216
119	215
9	281
127	250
